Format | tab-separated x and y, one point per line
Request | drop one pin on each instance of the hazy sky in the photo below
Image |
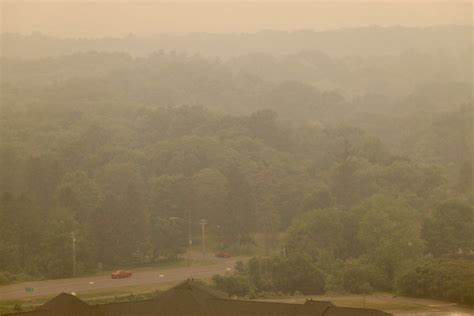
114	18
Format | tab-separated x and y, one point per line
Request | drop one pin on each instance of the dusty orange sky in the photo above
115	18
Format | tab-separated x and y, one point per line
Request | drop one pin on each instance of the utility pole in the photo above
203	223
73	254
266	239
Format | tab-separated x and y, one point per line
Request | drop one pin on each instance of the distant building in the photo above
193	299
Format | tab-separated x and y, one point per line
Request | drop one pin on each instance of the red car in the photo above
222	254
120	274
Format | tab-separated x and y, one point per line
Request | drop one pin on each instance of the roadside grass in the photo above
123	294
93	297
129	293
383	302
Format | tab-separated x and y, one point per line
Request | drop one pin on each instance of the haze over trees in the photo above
362	41
355	165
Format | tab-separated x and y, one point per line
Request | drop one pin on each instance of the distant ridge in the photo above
342	42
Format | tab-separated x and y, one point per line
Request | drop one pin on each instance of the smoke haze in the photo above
107	18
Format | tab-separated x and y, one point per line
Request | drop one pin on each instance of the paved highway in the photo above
49	288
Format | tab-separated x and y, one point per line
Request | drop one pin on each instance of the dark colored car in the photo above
120	274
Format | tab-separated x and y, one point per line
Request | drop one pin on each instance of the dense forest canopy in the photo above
356	161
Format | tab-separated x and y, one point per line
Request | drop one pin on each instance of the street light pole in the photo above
190	241
219	237
173	219
203	223
73	254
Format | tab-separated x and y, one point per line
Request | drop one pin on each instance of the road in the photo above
50	288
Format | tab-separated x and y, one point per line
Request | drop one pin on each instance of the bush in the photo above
359	276
236	284
7	278
296	274
276	274
451	280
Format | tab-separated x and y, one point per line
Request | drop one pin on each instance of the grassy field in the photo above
371	301
386	302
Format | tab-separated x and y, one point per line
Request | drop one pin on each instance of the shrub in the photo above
296	274
451	280
359	276
236	284
7	278
277	274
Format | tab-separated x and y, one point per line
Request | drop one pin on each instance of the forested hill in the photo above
368	41
111	147
416	104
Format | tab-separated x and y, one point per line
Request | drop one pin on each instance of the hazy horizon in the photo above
144	18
